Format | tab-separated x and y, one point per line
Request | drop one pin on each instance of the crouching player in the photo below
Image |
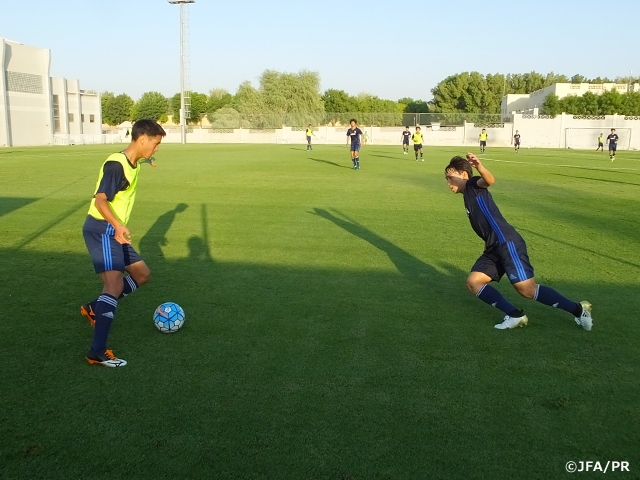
505	250
108	239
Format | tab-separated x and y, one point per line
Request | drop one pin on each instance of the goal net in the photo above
586	138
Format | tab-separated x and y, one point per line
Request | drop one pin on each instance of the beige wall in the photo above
26	94
526	103
26	99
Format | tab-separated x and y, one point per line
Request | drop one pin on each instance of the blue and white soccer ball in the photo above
168	317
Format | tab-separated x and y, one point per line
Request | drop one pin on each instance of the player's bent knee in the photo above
473	287
527	291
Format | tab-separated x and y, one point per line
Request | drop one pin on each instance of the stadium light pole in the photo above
184	53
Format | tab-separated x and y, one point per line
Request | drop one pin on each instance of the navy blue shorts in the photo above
613	147
483	143
417	146
308	139
355	147
106	253
509	258
405	142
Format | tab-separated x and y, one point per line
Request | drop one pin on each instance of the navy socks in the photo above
549	296
491	296
105	311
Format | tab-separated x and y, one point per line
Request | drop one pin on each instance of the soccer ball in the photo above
168	317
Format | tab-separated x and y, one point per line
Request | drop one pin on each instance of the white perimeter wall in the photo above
535	131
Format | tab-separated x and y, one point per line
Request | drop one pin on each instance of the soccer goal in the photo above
586	138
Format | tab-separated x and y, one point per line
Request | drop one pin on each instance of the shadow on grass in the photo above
375	373
328	162
596	179
9	204
406	263
582	249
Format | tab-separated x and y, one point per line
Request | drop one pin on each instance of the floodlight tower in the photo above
185	96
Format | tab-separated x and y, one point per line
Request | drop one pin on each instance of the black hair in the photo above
353	120
407	126
147	127
418	128
460	165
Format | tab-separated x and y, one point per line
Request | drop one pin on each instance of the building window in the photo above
92	118
71	118
56	114
82	118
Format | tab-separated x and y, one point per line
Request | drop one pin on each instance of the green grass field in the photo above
329	333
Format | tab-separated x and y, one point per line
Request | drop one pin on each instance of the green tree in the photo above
227	117
218	98
579	79
151	105
338	101
417	106
198	107
631	104
106	98
610	102
589	104
175	101
551	105
116	109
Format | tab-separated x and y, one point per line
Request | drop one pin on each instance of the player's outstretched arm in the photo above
487	178
121	234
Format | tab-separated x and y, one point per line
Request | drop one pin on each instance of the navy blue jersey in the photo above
113	180
613	139
516	138
354	133
485	217
406	136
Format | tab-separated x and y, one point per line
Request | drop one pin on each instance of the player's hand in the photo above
122	235
473	160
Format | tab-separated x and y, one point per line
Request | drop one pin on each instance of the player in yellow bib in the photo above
107	236
483	137
309	133
483	140
417	144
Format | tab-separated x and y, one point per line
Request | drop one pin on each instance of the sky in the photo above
385	48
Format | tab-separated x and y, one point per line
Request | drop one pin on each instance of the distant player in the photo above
108	239
354	135
365	137
483	137
406	135
613	144
600	143
309	133
505	250
516	141
417	144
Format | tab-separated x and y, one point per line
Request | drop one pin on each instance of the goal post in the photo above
586	138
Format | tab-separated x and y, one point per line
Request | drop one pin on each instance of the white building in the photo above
531	102
34	107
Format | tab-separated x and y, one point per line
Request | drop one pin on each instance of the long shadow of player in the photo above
407	264
156	237
328	162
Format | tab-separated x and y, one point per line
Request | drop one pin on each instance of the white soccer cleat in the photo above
512	322
585	320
